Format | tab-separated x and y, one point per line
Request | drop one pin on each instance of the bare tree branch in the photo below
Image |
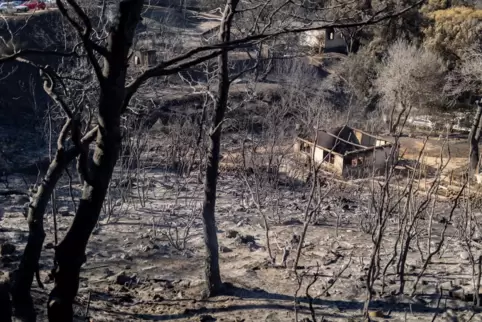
161	69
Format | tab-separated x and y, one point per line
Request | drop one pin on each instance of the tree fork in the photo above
23	276
70	253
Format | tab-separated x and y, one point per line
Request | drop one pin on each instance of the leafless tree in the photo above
468	229
409	80
105	46
263	154
212	273
466	79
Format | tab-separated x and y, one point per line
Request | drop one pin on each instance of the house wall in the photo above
381	142
369	140
313	38
371	160
376	160
297	146
339	164
319	155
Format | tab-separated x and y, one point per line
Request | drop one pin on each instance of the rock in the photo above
145	248
292	221
231	234
252	246
206	318
376	314
166	284
449	315
240	223
331	258
464	256
319	222
7	249
184	283
346	200
459	294
295	240
272	317
240	239
224	249
48	279
158	298
122	278
126	257
447	285
64	211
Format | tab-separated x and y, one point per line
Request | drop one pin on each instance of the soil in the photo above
135	272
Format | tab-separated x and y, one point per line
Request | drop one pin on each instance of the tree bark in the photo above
70	253
212	273
23	276
474	138
5	303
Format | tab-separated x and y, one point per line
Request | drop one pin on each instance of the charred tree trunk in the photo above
23	276
212	273
5	304
70	253
474	138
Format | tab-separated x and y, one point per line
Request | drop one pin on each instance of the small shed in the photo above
328	40
145	57
335	42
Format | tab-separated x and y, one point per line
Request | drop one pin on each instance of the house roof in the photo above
330	139
341	140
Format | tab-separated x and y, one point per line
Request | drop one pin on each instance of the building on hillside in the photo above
145	58
348	152
325	41
335	42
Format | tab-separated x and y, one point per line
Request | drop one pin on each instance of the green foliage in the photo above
433	5
452	31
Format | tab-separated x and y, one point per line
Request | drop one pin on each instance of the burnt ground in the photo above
135	272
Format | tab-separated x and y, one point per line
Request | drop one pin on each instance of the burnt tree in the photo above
23	276
212	273
109	58
474	139
70	253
